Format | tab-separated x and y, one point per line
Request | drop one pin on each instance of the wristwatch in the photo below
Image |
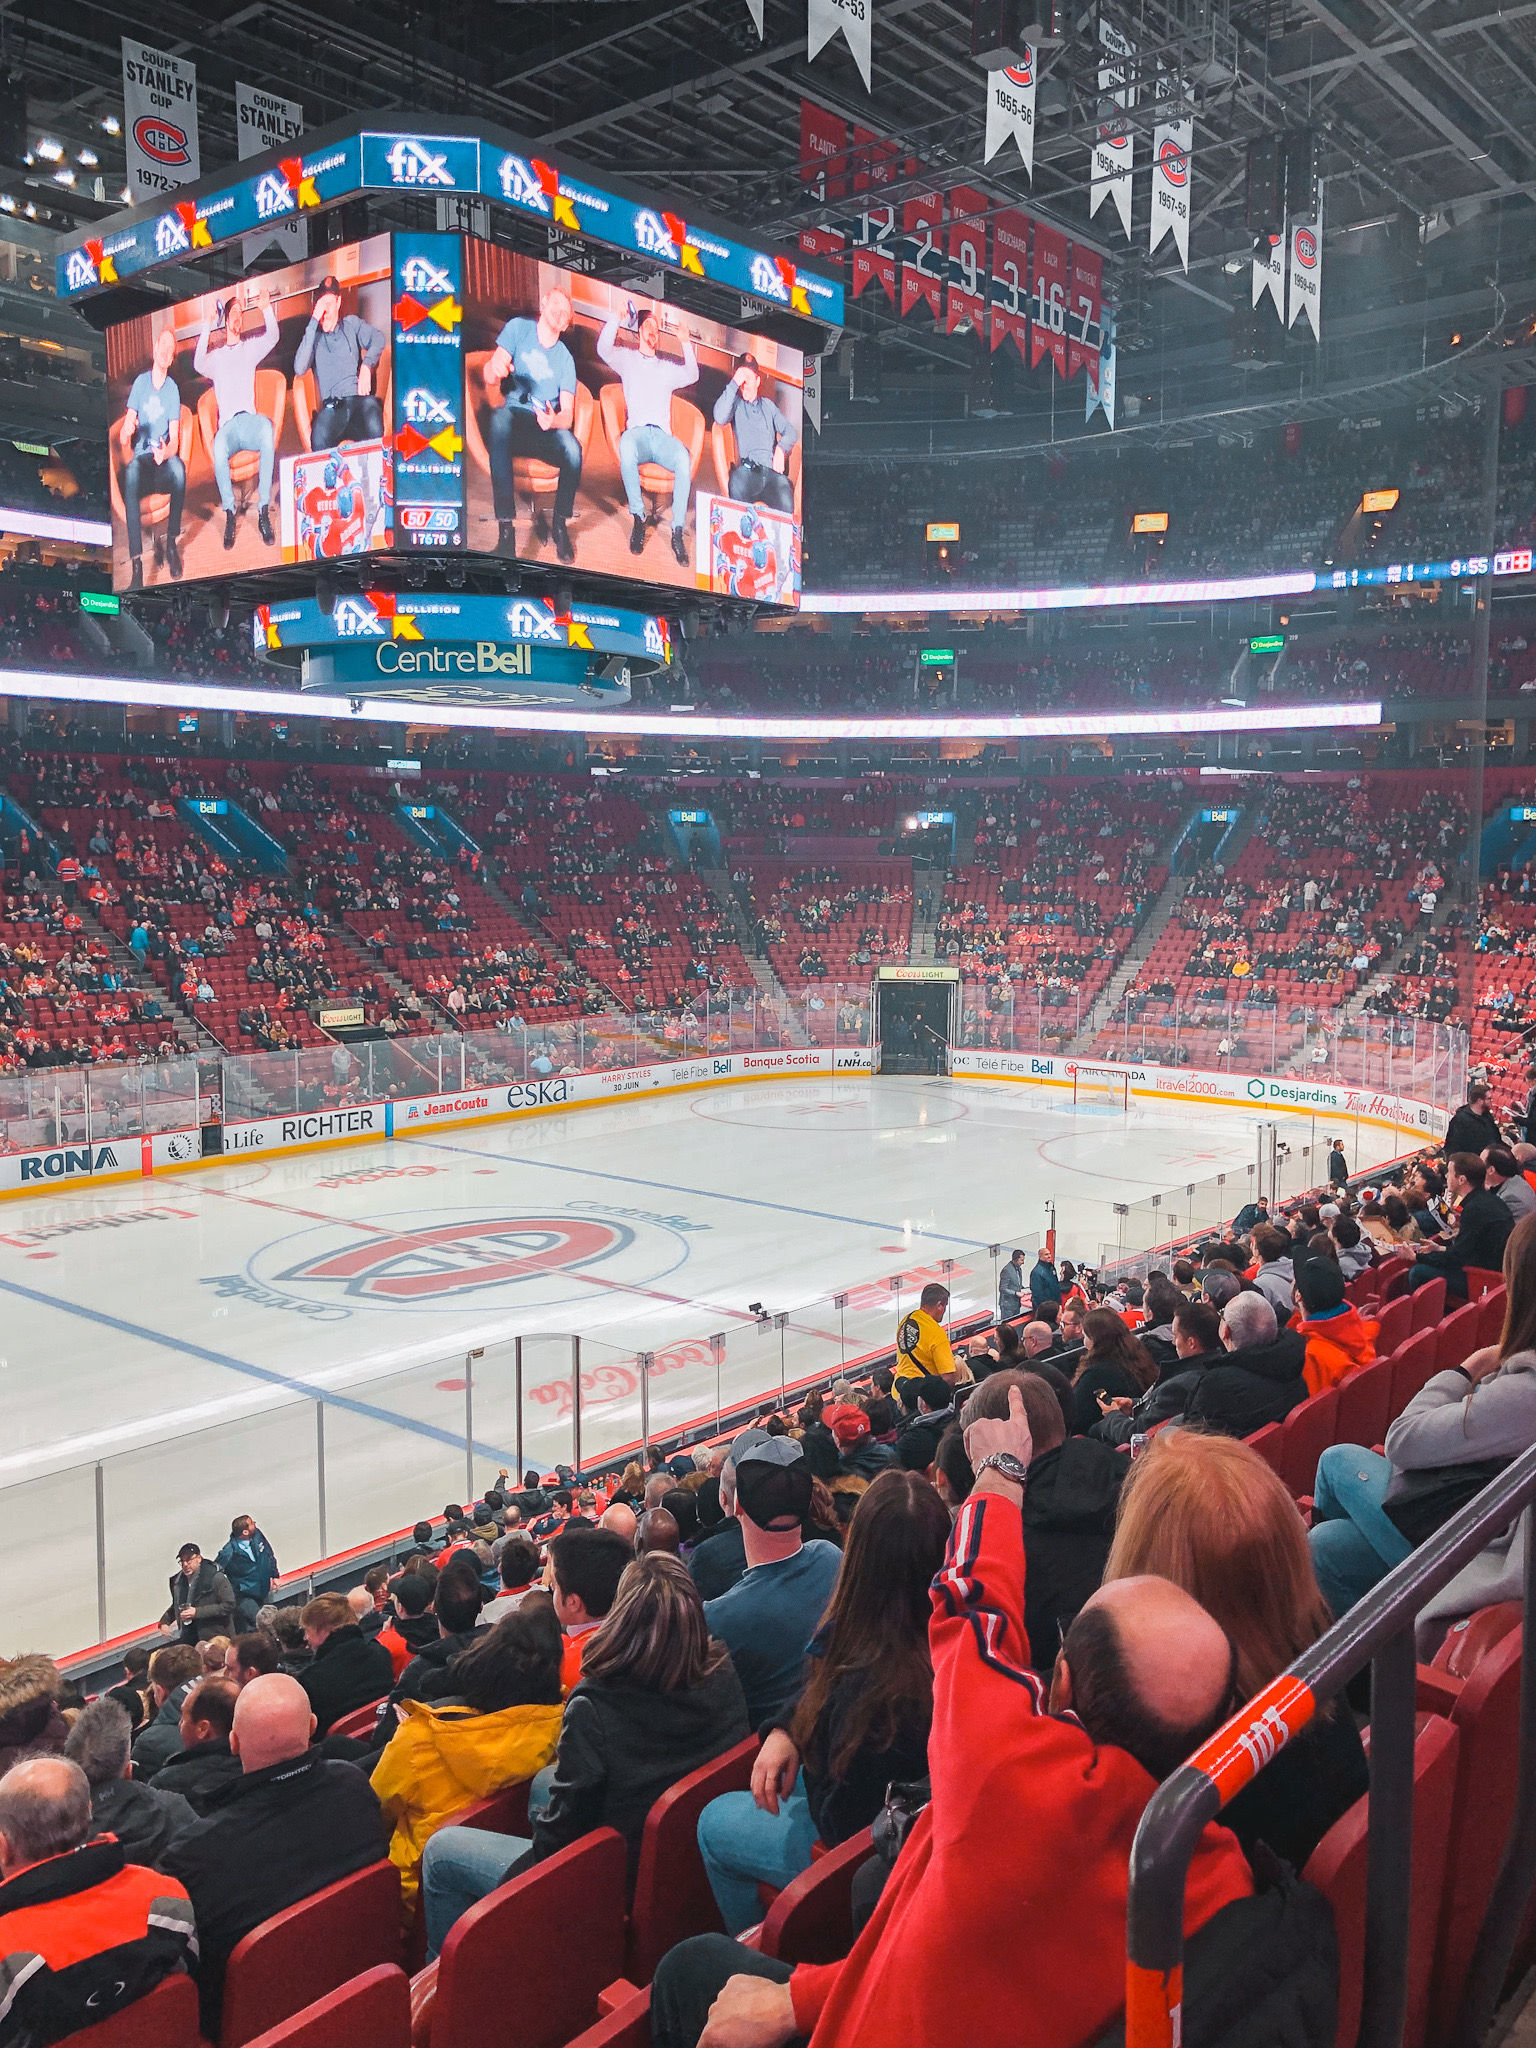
1005	1462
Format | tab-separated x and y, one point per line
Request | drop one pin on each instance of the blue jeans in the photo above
743	1847
1354	1542
244	433
654	444
462	1866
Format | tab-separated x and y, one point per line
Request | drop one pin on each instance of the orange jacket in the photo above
1335	1346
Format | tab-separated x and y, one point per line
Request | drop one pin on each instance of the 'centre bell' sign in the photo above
458	671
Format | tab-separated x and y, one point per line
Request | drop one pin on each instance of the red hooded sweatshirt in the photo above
1337	1342
1021	1856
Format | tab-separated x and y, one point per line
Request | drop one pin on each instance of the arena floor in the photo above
182	1336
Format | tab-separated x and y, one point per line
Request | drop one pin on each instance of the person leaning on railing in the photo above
1457	1432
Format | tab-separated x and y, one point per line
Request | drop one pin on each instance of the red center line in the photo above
534	1270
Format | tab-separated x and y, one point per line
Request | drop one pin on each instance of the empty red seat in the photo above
1456	1337
372	2011
1412	1364
1428	1304
1491	1309
1364	1397
311	1948
1395	1326
1306	1433
1468	1641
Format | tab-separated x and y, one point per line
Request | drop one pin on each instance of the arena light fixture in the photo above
49	150
286	704
1070	597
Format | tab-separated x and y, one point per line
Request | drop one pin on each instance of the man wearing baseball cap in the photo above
343	351
764	438
766	1619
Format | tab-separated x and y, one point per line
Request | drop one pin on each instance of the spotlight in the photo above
416	575
454	576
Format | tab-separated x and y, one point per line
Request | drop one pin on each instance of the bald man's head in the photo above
658	1530
1146	1670
273	1721
620	1518
45	1810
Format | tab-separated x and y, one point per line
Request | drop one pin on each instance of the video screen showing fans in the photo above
625	436
249	426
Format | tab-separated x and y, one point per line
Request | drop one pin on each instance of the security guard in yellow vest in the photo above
922	1345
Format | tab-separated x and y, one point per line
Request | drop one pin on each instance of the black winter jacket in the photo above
1471	1131
868	1458
1259	1383
917	1444
210	1594
154	1746
350	1670
426	1676
1069	1522
821	1453
146	1821
621	1748
198	1773
844	1805
271	1838
1483	1224
1165	1402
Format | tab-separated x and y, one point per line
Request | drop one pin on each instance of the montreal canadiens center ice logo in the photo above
428	1260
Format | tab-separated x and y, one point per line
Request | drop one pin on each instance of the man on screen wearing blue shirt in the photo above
151	436
649	381
536	375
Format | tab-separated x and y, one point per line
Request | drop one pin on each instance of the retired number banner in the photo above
922	253
1048	290
823	151
967	258
872	233
1085	300
1010	279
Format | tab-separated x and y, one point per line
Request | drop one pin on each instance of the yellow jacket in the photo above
442	1759
922	1347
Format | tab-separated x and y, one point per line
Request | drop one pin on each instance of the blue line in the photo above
255	1372
703	1194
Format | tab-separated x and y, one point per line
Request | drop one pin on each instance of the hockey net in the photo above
1101	1087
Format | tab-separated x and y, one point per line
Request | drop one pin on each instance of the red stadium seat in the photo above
1269	1442
360	1721
1491	1323
1456	1337
372	2011
1412	1364
539	1949
1395	1326
502	1813
309	1949
627	2026
811	1921
1482	1280
1428	1304
166	2018
1468	1641
1306	1433
673	1898
1364	1398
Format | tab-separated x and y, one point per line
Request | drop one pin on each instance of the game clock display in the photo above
435	394
252	426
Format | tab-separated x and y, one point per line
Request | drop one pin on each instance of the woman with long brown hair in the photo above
1114	1364
861	1719
657	1697
1455	1434
1209	1514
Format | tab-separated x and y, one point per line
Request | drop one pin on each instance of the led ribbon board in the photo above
367	617
343	161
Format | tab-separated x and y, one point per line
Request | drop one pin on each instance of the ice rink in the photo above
291	1337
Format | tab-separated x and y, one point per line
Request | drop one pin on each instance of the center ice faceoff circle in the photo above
434	1258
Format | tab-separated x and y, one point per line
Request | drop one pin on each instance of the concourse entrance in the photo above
916	1018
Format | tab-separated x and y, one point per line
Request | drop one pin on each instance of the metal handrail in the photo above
1378	1630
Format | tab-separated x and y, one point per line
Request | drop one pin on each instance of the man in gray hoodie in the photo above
1276	1274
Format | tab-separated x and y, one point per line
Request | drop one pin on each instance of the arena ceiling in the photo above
1425	112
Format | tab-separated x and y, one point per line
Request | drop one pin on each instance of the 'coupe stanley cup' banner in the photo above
967	259
1010	279
1048	289
263	122
1011	110
1307	272
1171	142
1084	311
823	151
1112	148
1269	273
824	19
159	121
922	252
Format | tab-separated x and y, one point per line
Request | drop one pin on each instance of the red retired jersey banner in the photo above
1010	279
872	233
1084	308
1048	291
823	151
922	252
967	258
824	243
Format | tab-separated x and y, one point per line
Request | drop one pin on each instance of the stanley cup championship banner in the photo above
1085	298
825	18
1171	142
1269	273
159	121
1010	280
922	252
265	122
1307	273
967	258
1113	148
1048	288
1011	110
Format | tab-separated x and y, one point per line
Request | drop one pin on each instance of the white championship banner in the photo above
159	121
264	122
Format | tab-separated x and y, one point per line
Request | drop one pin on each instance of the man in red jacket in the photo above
1011	1889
